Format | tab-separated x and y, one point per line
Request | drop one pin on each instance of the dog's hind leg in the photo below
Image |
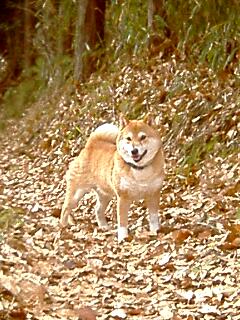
73	194
101	206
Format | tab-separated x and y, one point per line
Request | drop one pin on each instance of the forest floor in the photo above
191	269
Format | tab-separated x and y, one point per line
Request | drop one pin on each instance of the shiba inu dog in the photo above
127	162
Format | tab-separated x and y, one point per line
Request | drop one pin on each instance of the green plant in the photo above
238	213
211	31
10	216
126	28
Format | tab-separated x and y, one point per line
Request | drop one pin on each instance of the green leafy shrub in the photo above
126	28
206	31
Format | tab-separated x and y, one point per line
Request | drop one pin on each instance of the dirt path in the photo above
190	270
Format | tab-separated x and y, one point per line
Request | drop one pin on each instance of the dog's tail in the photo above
107	132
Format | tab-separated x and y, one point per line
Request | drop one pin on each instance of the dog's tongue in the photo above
136	157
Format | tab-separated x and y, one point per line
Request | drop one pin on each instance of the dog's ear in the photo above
123	122
149	119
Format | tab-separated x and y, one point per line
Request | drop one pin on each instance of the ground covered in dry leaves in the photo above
191	269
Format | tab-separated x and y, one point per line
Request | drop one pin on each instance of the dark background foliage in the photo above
46	43
68	66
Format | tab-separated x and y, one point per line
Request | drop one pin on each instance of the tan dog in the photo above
126	162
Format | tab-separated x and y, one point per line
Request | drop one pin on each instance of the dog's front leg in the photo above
123	205
153	206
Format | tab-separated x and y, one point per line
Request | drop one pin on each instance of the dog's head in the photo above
138	142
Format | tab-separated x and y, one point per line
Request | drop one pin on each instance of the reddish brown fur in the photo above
100	166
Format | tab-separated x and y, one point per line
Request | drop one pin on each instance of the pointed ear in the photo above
149	120
123	122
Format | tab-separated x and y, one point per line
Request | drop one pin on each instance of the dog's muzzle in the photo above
136	156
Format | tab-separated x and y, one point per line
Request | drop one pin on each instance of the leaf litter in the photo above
190	270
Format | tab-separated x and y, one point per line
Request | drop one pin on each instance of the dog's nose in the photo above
134	151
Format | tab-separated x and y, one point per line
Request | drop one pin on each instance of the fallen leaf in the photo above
87	313
205	234
208	309
166	313
187	295
181	235
134	311
236	243
164	259
176	317
119	314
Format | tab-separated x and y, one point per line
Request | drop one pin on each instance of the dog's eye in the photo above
143	137
129	138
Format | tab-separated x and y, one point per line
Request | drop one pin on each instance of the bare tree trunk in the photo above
95	22
155	8
60	49
150	13
80	40
159	39
89	35
27	36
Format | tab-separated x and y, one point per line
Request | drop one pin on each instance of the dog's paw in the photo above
103	225
122	233
63	224
66	220
154	228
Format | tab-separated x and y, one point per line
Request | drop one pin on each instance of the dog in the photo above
127	162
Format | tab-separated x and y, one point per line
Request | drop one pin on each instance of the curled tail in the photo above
107	132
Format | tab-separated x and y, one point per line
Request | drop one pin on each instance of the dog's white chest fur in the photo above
141	182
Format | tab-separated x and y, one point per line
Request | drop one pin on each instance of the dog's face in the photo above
138	142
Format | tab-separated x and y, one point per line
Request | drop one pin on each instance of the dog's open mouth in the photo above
138	157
